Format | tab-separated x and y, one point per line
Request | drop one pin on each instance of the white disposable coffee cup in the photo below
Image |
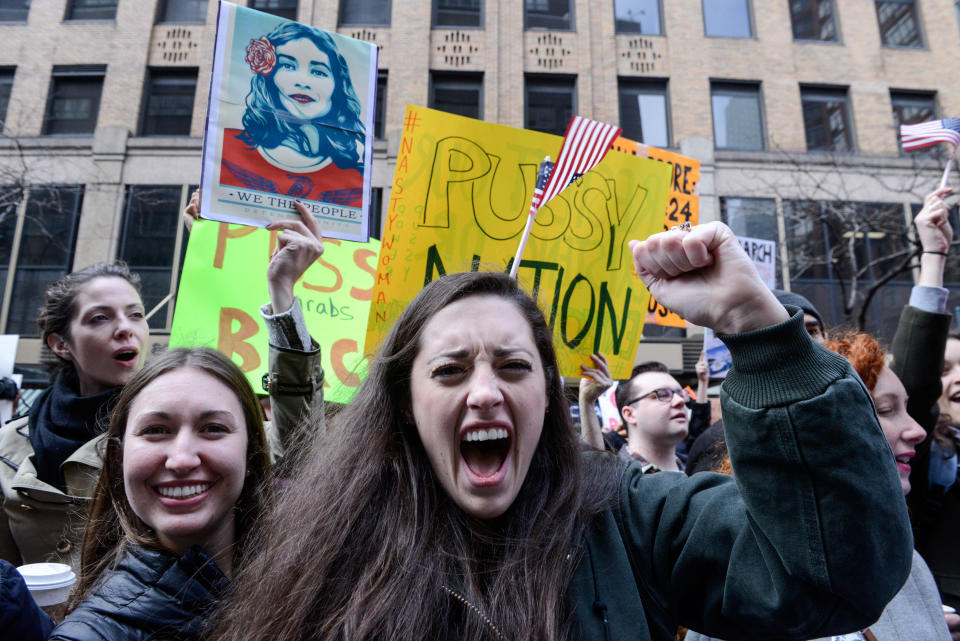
49	583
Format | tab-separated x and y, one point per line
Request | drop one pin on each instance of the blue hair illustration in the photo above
268	124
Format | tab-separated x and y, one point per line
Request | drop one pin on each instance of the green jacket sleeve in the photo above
811	539
295	384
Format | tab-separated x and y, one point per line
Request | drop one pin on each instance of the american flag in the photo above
925	134
585	144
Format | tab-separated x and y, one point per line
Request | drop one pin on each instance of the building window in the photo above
91	10
457	93
168	103
825	119
376	212
637	16
911	107
550	103
374	13
456	13
153	244
280	8
44	252
825	250
6	86
74	100
899	25
380	108
754	218
182	11
644	111
727	18
737	119
14	10
556	15
813	20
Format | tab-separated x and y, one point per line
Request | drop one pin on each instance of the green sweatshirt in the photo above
812	538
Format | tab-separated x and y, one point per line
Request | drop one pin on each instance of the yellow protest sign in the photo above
683	206
460	196
224	283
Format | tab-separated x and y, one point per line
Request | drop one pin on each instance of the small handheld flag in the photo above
585	143
934	132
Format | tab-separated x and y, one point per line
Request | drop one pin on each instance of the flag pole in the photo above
543	174
946	171
523	245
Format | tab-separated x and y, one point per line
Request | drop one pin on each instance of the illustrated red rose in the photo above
261	56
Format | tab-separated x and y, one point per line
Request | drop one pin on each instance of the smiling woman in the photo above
186	472
452	500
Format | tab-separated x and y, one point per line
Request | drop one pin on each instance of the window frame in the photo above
465	80
751	25
660	27
154	73
163	6
901	98
571	22
71	8
550	83
14	16
435	12
73	72
813	11
342	23
28	325
280	12
179	246
8	76
917	21
820	93
635	86
380	106
743	88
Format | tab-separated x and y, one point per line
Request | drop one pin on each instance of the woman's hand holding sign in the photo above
706	277
299	245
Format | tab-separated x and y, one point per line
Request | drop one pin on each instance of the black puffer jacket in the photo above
149	595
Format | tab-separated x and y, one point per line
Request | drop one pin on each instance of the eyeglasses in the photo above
664	395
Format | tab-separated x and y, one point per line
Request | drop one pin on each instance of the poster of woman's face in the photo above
290	118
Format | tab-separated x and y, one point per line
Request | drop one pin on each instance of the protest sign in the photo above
460	199
224	283
763	253
683	206
290	116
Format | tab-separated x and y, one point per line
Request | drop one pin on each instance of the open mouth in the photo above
301	98
484	450
125	355
903	461
955	397
183	491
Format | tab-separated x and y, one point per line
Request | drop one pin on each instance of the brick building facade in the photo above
104	105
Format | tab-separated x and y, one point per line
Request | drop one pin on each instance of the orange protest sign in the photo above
683	206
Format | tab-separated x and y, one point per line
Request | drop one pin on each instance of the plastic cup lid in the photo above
47	576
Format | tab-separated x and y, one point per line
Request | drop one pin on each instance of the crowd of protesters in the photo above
453	498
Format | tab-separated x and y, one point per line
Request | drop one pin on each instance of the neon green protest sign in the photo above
224	283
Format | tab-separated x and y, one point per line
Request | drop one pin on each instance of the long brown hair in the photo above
367	545
112	522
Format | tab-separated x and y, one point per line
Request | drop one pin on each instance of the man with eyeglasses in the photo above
653	407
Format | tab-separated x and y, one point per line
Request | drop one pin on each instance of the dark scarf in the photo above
62	421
